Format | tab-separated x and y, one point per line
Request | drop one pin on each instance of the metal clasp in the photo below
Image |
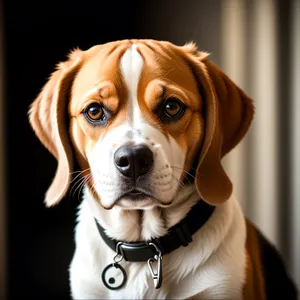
157	276
119	256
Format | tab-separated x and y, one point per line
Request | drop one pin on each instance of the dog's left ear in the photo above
48	118
228	114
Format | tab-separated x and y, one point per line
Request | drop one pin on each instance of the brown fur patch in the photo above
255	286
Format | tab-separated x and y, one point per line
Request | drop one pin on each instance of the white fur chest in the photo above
203	266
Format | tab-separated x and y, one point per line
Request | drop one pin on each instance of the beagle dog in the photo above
148	123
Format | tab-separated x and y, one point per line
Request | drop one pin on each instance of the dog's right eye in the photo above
95	114
94	111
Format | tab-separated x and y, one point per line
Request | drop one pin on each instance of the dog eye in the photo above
95	113
173	108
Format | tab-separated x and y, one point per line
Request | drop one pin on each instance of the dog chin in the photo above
130	203
136	201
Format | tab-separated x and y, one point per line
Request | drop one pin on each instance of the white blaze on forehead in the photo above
131	65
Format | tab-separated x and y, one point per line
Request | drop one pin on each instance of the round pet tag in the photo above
114	276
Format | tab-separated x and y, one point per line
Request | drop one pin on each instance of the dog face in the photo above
137	123
138	116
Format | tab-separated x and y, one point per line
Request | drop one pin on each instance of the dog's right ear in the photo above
48	118
228	114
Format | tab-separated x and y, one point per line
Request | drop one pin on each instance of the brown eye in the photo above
97	114
173	108
94	112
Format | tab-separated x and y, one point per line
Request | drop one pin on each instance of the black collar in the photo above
178	235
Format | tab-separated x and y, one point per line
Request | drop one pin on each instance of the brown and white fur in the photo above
130	79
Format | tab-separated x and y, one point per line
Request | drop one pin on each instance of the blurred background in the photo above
257	43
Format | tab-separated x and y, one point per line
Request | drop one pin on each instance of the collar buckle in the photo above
120	254
156	275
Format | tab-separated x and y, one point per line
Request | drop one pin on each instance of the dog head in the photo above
138	116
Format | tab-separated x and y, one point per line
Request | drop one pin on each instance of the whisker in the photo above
93	186
186	176
83	184
80	172
197	172
76	177
179	181
74	184
80	183
183	170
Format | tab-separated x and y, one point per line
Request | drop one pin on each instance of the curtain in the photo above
295	141
2	185
260	48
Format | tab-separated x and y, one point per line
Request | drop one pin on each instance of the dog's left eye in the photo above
171	109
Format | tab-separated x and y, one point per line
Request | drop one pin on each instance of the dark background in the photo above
37	35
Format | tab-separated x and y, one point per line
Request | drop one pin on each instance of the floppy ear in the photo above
228	115
48	118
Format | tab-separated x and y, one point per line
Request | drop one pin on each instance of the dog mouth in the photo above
136	195
137	199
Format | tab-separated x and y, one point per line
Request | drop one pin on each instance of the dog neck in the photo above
136	225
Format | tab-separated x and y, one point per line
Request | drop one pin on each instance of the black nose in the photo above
133	161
